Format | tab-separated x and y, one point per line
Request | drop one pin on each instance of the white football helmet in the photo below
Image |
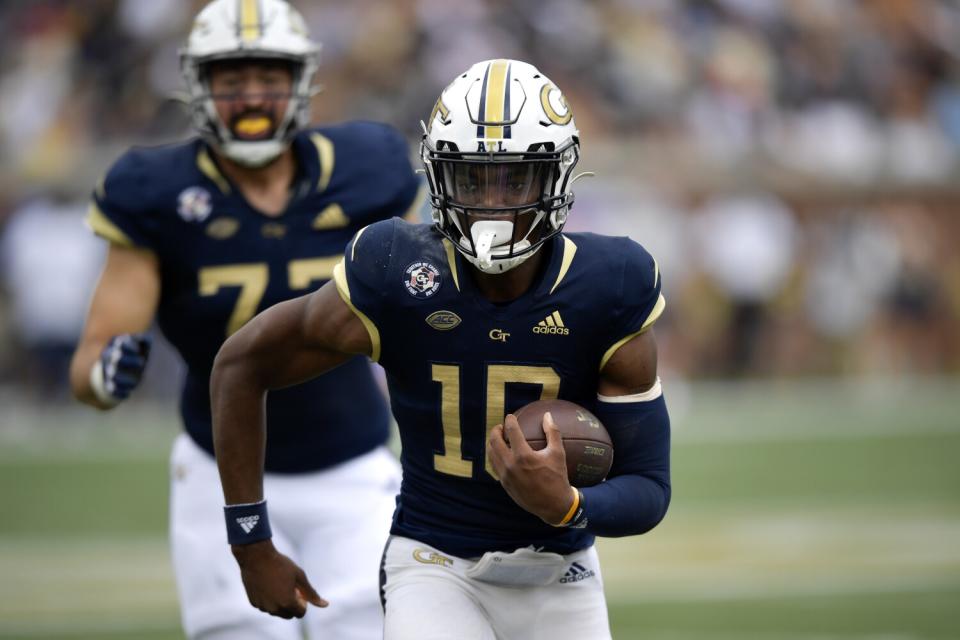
253	29
499	150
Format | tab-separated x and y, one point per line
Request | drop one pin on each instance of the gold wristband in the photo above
573	508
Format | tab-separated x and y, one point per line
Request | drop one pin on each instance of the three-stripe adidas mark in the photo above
552	325
247	523
576	573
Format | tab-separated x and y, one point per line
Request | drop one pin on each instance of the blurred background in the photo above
793	165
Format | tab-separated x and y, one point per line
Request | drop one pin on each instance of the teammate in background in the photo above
487	310
203	235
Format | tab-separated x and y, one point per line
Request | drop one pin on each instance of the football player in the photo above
487	310
203	235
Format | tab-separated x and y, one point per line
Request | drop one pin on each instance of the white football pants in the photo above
429	597
333	523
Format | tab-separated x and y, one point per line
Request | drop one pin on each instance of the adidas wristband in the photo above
247	523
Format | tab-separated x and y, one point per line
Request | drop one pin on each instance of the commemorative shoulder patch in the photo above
194	204
422	279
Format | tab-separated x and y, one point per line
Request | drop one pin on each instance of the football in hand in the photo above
586	442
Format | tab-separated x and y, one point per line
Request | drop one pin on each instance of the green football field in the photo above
801	511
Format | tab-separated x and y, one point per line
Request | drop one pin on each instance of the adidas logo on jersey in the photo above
552	325
576	573
247	523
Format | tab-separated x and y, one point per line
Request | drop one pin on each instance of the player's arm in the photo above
288	343
109	360
635	497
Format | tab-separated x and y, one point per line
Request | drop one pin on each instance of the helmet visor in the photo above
251	96
494	185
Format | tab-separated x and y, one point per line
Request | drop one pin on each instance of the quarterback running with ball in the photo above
490	308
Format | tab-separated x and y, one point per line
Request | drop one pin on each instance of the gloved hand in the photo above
120	367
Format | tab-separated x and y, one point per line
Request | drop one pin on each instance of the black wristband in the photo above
579	519
247	523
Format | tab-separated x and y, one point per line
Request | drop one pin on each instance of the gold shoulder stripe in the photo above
249	19
654	314
356	239
413	211
101	225
340	277
325	153
452	261
208	168
569	250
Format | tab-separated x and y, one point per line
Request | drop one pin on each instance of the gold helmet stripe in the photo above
495	105
250	28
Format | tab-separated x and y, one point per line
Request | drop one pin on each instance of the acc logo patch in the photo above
194	204
223	227
422	280
443	320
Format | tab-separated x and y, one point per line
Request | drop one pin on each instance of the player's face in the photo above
494	186
251	96
491	191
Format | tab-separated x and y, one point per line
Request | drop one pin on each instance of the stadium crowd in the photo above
791	164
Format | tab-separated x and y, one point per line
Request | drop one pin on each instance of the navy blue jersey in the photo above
457	364
221	262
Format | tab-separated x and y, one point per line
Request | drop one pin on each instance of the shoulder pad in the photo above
371	164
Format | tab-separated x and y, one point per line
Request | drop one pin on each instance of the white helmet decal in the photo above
255	29
499	147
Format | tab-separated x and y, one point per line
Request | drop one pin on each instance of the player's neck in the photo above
506	287
266	188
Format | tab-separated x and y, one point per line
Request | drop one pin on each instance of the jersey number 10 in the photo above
498	377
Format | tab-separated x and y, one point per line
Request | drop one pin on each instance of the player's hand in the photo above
274	583
536	480
120	367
